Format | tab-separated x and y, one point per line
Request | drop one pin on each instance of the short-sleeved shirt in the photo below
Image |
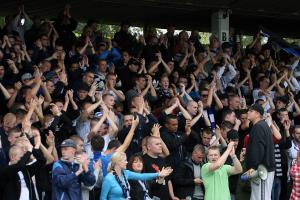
216	182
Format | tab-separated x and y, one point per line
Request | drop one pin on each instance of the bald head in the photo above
192	107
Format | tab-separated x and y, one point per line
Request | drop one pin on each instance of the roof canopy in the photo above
280	16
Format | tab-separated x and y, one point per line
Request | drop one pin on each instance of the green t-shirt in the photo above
216	182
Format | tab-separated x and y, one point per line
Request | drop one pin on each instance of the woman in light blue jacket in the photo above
115	185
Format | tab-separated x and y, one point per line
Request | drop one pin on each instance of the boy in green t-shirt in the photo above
215	174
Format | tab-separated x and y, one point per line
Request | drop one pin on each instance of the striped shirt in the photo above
278	165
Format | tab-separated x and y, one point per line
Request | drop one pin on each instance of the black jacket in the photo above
176	145
260	147
10	181
184	179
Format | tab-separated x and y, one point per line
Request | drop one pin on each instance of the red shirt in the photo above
295	175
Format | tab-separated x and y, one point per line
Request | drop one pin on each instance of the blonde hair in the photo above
14	151
115	158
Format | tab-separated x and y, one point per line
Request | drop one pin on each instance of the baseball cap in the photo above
258	108
26	76
68	143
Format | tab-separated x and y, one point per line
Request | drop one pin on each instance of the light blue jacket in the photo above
111	190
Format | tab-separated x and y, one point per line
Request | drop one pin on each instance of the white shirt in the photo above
24	195
107	139
292	154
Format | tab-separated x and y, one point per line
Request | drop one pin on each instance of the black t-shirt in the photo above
152	165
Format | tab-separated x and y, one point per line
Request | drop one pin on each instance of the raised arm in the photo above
170	109
129	136
185	58
4	91
154	66
274	127
183	110
217	99
156	133
237	167
152	89
220	162
296	105
166	67
12	99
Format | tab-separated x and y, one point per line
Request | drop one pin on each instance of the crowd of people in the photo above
154	117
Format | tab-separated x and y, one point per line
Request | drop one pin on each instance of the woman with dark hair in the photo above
138	188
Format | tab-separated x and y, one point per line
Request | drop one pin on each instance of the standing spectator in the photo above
215	174
175	140
65	24
187	177
295	175
143	87
260	151
138	188
67	175
154	163
123	39
293	152
16	179
115	185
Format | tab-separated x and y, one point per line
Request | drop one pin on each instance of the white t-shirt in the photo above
24	195
107	139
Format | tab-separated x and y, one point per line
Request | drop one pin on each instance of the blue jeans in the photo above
276	188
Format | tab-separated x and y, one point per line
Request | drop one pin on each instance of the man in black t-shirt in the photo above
153	163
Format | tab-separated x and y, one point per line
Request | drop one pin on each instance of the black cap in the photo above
232	135
258	108
68	143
